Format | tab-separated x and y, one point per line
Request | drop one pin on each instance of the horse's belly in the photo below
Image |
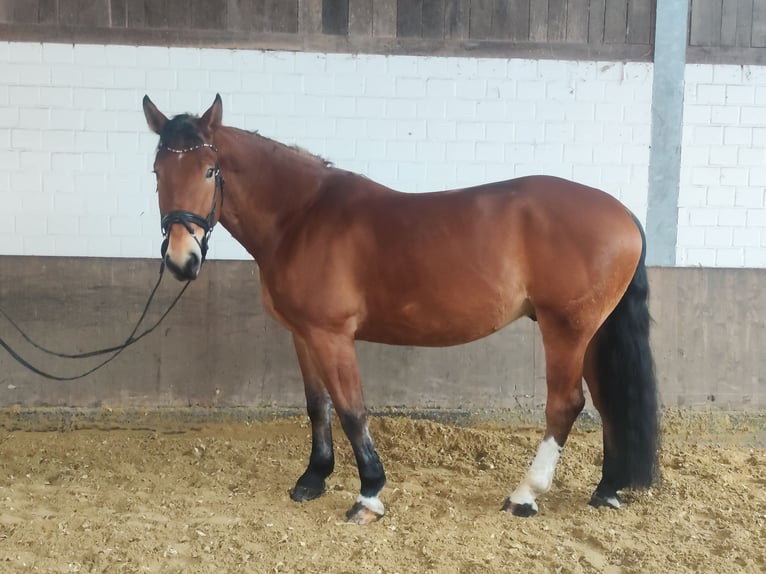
430	325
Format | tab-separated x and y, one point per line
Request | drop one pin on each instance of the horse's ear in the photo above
154	117
211	119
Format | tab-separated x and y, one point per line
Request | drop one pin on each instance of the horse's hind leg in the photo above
335	358
311	484
564	351
611	476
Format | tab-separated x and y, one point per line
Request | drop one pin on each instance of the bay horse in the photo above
342	258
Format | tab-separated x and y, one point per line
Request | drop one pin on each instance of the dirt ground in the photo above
213	497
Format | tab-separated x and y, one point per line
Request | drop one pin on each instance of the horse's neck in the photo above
266	185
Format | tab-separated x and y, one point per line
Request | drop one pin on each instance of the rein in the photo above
185	218
115	350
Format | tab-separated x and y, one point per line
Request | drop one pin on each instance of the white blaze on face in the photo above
540	474
182	246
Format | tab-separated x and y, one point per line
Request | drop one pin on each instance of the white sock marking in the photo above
540	474
373	503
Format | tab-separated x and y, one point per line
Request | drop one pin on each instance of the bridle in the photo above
186	218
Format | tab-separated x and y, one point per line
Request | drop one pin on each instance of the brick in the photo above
469	174
121	56
755	257
34	119
521	69
489	152
737	135
519	153
752	116
503	89
492	68
690	236
471	88
749	197
700	256
26	52
441	87
757	176
460	151
428	151
340	106
712	135
719	196
411	129
22	139
727	74
461	110
533	90
723	115
738	95
751	157
403	66
349	85
559	132
733	176
578	154
224	81
548	111
690	195
429	109
711	94
376	107
490	110
733	257
352	128
38	244
400	150
58	53
62	224
744	237
529	132
732	217
151	57
756	217
90	55
698	114
410	87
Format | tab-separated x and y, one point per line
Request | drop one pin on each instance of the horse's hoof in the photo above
599	500
305	493
522	510
360	514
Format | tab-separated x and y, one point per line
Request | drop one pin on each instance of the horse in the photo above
342	258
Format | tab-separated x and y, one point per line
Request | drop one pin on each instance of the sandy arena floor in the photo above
214	498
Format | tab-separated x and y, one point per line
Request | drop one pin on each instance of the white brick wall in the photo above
722	200
75	153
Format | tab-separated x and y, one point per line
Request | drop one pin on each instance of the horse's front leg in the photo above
335	357
311	484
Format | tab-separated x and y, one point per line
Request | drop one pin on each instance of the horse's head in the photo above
189	185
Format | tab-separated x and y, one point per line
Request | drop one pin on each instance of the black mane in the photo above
181	132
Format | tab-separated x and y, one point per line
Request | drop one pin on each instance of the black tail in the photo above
628	389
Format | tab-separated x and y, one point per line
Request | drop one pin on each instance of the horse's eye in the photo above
210	172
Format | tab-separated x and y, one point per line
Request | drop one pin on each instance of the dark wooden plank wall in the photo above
719	30
727	30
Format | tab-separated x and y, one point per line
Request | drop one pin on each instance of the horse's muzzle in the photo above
185	271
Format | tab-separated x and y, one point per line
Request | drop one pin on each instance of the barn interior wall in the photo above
219	348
